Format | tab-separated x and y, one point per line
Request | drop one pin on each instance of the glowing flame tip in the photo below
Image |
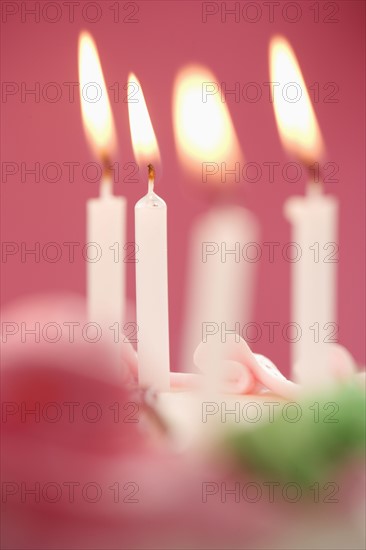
144	142
296	121
95	106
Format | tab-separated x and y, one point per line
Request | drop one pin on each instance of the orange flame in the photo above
203	128
95	106
296	121
144	142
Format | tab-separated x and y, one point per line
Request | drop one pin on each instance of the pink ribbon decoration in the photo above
243	371
234	378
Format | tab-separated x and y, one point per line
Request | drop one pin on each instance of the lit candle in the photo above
314	224
151	257
220	277
106	215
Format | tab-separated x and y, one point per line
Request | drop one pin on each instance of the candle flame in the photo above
296	121
204	131
95	106
144	142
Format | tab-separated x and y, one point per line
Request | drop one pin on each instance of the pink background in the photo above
167	36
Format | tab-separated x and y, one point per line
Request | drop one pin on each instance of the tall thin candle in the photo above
152	289
106	215
314	223
151	255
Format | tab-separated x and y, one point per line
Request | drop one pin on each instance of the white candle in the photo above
313	218
219	286
151	254
313	280
106	215
106	235
152	289
220	277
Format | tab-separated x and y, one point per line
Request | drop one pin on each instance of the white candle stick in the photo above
314	222
219	286
151	255
221	279
106	285
106	215
152	289
313	294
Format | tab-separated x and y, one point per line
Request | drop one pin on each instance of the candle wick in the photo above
106	186
315	182
106	164
151	175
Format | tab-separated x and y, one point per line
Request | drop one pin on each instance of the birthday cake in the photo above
235	426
